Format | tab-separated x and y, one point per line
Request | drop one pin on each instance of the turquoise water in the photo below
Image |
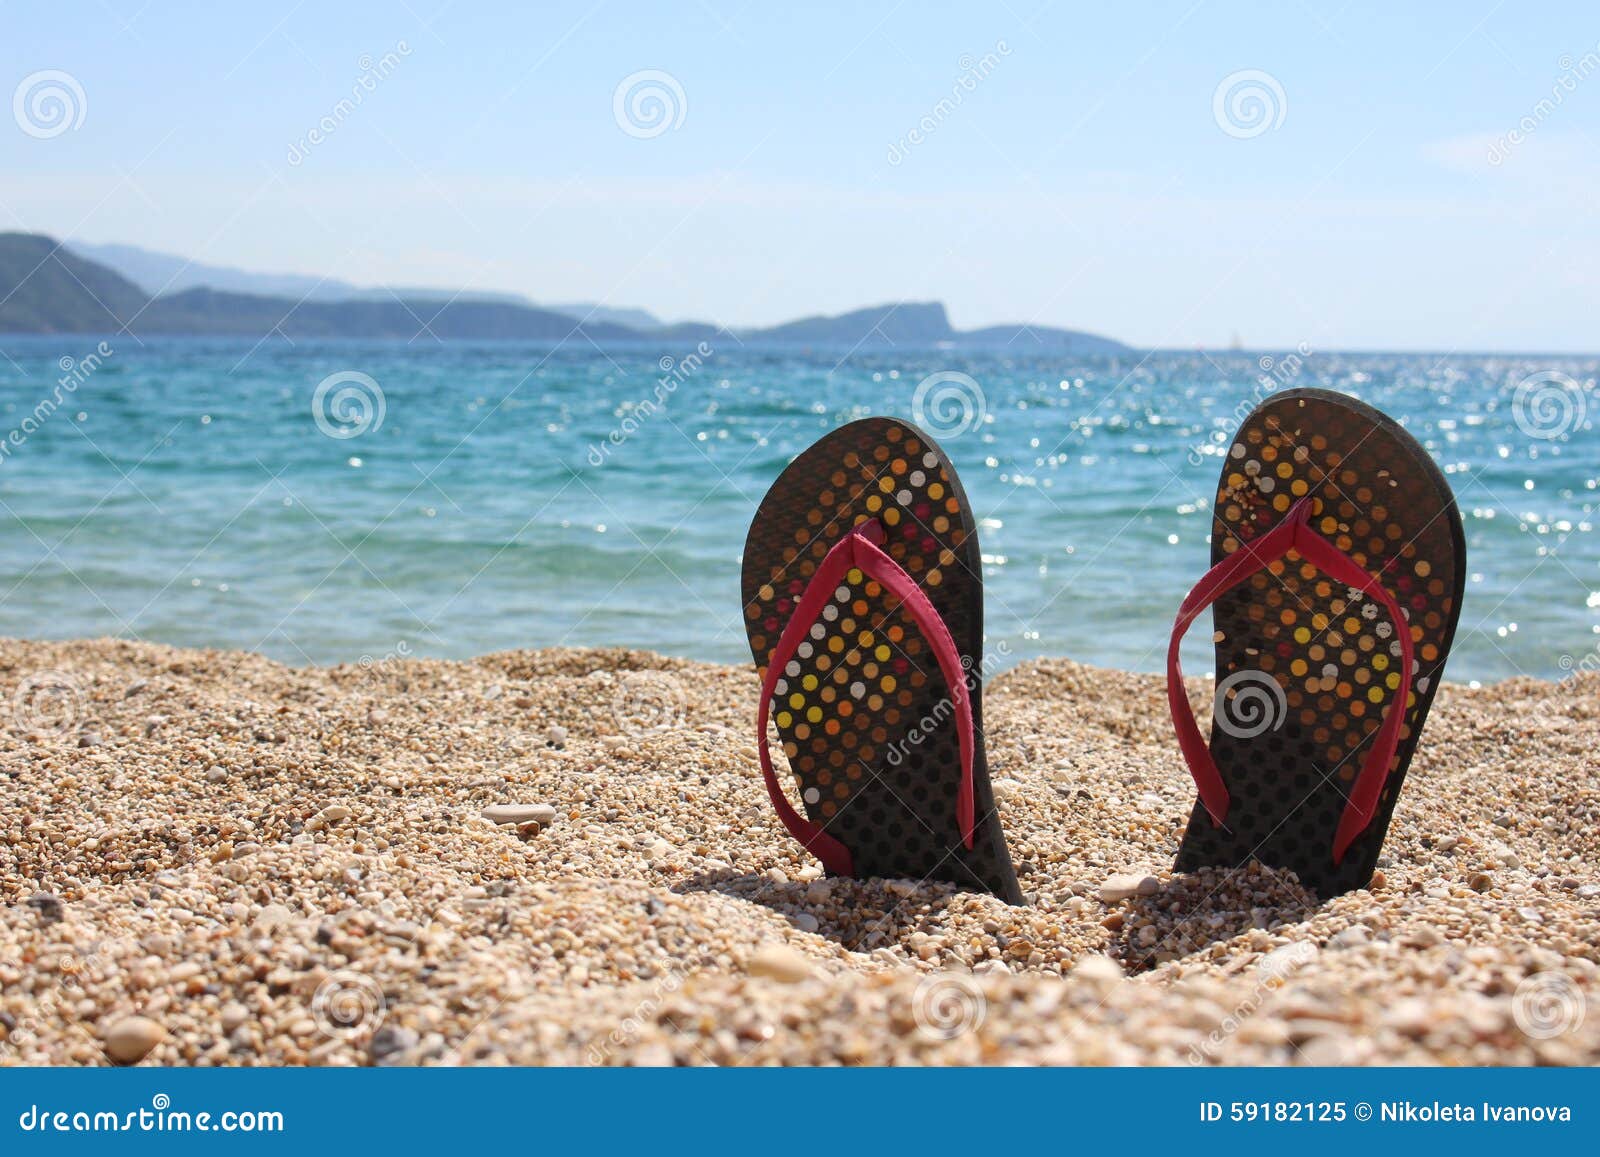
512	495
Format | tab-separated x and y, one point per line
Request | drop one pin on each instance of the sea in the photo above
354	502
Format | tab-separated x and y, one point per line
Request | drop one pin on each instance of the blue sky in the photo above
1084	181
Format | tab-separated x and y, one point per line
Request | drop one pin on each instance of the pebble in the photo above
780	963
391	1040
1126	884
130	1039
1097	968
520	813
556	736
806	922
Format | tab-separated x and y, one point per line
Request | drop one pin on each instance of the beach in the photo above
211	858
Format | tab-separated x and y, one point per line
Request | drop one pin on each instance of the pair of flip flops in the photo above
1337	568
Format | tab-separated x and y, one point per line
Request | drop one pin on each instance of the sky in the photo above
1073	165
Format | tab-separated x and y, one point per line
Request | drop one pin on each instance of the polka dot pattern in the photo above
1378	497
863	711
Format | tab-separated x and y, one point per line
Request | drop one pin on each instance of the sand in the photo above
209	858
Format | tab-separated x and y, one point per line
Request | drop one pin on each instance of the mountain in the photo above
48	288
914	324
162	273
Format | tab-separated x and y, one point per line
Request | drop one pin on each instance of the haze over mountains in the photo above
46	287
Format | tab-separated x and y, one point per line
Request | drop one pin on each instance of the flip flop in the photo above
1338	565
863	601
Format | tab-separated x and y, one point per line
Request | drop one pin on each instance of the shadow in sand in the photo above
860	915
1192	911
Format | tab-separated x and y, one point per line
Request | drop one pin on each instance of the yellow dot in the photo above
886	484
1285	469
1392	680
1302	635
1375	694
1380	661
1298	667
892	516
865	638
814	714
935	490
797	701
874	503
887	683
882	653
1352	626
784	719
835	644
854	576
809	682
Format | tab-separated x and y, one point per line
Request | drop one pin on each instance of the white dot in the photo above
1267	483
803	650
817	630
812	795
792	669
918	478
781	687
830	612
857	689
903	498
930	459
842	594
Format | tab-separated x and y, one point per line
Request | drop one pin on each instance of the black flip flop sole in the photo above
865	713
1322	666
